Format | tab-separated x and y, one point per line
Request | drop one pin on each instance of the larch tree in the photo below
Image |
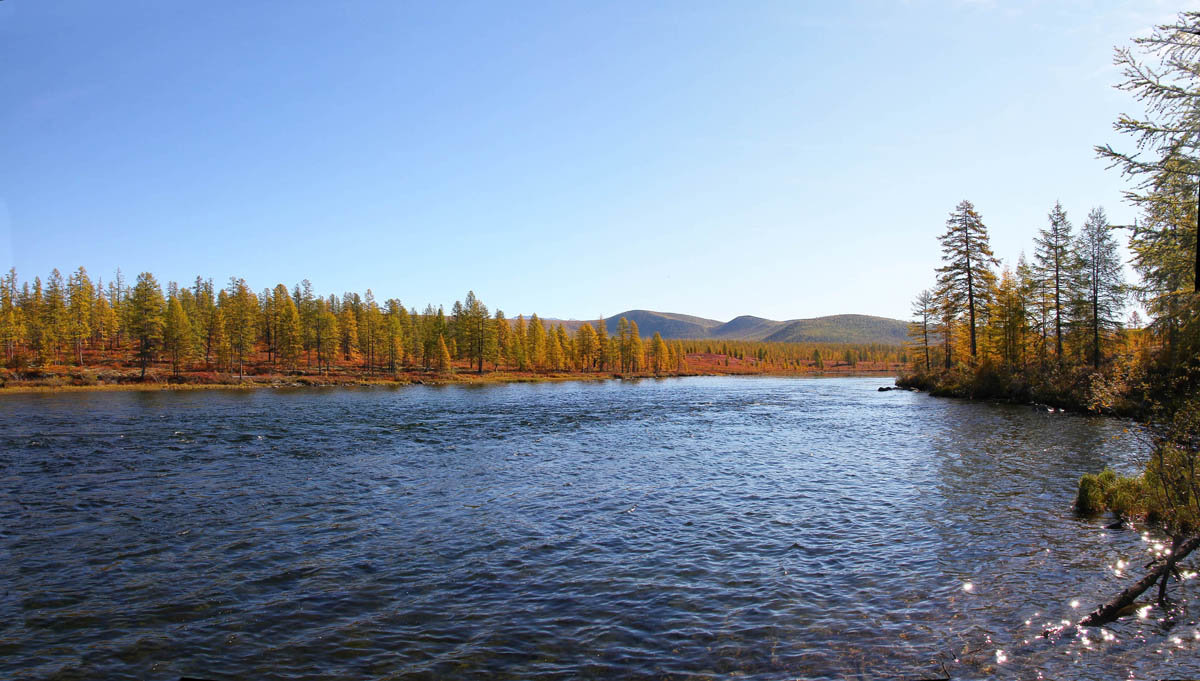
325	336
1167	137
348	328
443	364
659	354
56	322
586	346
1009	324
1101	281
240	327
83	298
601	345
918	329
145	313
1055	263
289	335
11	329
554	352
504	335
535	342
637	352
967	275
518	357
178	339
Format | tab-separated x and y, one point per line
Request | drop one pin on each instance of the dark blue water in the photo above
684	528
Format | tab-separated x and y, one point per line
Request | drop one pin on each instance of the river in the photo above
682	528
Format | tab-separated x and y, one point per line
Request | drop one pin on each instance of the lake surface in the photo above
683	528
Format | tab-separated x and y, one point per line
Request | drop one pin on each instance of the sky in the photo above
573	159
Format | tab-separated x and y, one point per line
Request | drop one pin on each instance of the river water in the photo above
685	528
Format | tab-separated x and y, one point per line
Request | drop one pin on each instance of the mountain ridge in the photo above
840	328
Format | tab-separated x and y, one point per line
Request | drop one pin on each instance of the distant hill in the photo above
842	328
669	324
747	328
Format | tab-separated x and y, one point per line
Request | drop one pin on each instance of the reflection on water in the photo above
688	528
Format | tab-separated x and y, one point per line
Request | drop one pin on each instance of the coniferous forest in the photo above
75	331
1061	327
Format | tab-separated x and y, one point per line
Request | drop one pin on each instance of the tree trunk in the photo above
1111	610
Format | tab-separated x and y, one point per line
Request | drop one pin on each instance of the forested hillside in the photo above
844	328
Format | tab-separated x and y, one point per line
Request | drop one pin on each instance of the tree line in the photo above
73	319
1051	328
1044	318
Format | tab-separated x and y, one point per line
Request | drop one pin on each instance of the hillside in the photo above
844	328
669	324
747	327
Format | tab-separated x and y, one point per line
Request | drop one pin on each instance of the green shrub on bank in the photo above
1106	491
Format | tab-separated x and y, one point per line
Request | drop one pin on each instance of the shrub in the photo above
1089	500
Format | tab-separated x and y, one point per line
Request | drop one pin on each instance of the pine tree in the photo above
967	276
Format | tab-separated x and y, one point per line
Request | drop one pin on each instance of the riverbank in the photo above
1075	389
64	379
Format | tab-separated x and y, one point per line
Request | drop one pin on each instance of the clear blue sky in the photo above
788	159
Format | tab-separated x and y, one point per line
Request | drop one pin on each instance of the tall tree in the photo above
83	297
240	327
918	329
1167	138
178	340
289	335
476	336
56	323
1055	263
348	327
587	347
967	275
145	315
1102	281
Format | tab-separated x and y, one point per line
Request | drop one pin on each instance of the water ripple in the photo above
679	529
